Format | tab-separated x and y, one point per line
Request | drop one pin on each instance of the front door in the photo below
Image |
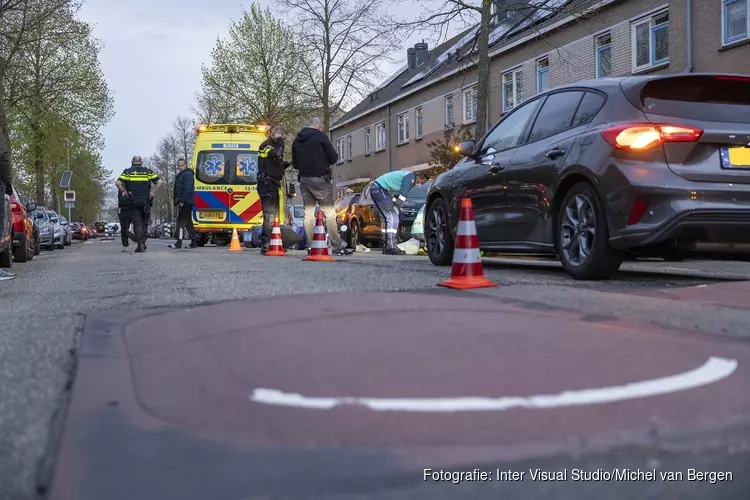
244	201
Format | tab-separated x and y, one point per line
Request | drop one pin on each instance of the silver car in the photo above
46	228
67	231
58	231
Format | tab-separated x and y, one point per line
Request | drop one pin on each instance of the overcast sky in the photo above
152	56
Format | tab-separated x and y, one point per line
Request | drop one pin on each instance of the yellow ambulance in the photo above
225	162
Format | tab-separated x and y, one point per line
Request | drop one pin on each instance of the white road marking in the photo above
711	371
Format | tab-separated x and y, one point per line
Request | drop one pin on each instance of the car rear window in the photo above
710	98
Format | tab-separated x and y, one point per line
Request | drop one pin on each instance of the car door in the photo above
533	171
481	177
535	168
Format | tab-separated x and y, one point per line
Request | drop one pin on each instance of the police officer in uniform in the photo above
135	184
271	167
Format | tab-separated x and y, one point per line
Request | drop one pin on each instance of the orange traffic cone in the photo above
467	271
276	247
235	246
318	245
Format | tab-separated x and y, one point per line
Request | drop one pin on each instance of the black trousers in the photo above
124	215
269	201
139	219
185	220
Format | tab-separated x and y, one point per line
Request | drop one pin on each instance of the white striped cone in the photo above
318	245
276	246
467	270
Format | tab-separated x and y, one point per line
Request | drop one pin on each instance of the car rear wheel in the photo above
37	247
21	252
582	238
201	241
437	233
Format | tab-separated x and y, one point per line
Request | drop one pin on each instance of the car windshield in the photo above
419	193
38	214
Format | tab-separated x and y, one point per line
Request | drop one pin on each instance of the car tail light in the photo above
644	136
734	78
15	207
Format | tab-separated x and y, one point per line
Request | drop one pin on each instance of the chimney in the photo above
411	57
421	52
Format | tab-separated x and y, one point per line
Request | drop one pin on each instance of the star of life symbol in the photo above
214	166
247	166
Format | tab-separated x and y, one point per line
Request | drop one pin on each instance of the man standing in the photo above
135	184
271	167
184	200
312	156
6	177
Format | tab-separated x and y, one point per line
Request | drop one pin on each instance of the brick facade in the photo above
571	52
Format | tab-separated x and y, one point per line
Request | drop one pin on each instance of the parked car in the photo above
67	231
344	207
25	240
80	231
6	237
100	228
296	215
593	172
364	224
59	233
45	226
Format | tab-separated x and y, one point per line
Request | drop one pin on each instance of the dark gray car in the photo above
655	166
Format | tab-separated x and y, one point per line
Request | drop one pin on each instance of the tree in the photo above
259	67
345	42
493	19
58	79
443	154
184	131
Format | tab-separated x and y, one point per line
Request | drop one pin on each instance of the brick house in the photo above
560	43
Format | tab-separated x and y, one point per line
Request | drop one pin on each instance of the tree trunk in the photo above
483	77
4	129
53	196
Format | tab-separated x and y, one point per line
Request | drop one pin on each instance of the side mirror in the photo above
466	148
30	207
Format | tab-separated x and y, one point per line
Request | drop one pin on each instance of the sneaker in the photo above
4	275
343	251
124	249
139	249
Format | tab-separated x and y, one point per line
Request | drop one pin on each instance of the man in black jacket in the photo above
271	167
312	156
6	177
184	200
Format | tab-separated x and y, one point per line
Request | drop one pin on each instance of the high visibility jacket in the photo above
138	182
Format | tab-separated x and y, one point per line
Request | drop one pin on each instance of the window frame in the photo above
368	141
418	123
449	104
724	20
402	124
653	28
522	138
340	150
540	70
602	47
378	126
349	148
514	88
471	92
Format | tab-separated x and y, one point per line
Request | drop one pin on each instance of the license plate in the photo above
217	215
738	157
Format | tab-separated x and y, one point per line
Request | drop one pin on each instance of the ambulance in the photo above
225	163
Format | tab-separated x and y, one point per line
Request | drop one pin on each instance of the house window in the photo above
403	127
512	89
349	154
368	141
418	123
470	105
651	41
736	25
449	110
340	149
604	56
380	136
542	75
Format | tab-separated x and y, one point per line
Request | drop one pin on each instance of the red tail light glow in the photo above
733	78
647	135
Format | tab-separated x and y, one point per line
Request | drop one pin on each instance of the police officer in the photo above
388	192
135	184
271	167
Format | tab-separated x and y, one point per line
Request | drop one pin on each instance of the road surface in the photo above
208	374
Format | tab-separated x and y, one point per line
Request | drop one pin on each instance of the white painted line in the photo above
711	371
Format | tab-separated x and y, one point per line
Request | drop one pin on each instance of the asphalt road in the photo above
43	312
